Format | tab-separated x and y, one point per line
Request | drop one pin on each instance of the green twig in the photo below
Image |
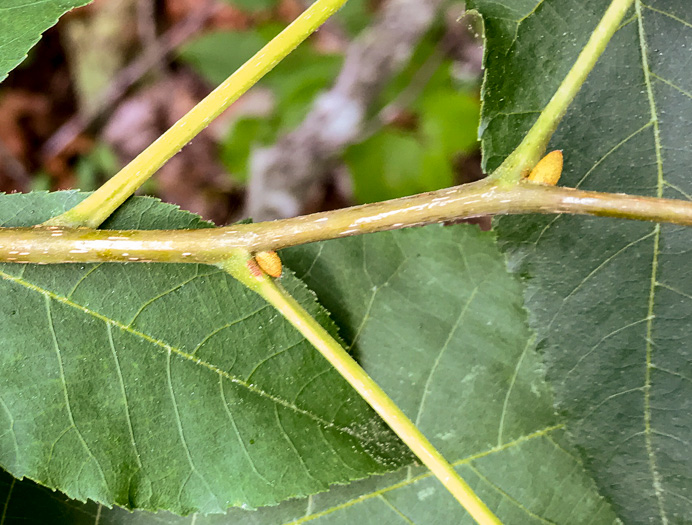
533	146
104	201
350	370
211	245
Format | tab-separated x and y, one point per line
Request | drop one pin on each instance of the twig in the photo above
63	245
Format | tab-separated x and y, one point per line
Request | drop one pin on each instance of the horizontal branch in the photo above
69	245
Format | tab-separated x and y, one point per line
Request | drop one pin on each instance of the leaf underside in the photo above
611	301
169	386
434	317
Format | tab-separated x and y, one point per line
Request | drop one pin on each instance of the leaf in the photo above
169	386
449	120
299	78
21	24
611	300
434	317
253	5
216	55
395	163
242	137
355	15
388	165
439	323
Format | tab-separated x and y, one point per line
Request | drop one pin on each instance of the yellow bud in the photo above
548	169
269	262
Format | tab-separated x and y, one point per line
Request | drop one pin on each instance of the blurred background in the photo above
382	102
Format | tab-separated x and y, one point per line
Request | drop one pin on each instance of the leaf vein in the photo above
396	511
11	430
166	348
509	498
666	13
595	271
501	425
82	278
179	424
269	358
126	404
411	480
671	372
656	479
436	363
293	446
609	398
227	325
68	407
240	438
161	295
601	341
671	84
611	151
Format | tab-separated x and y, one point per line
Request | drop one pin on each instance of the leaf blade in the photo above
603	316
21	26
430	275
134	407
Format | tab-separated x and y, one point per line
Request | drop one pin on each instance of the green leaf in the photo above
449	120
95	167
435	318
21	24
244	135
389	165
611	300
356	15
396	163
298	80
253	5
219	53
169	386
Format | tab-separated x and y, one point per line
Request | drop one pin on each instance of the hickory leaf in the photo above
611	301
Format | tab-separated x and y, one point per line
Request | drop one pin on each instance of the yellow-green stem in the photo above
358	378
534	144
50	245
99	206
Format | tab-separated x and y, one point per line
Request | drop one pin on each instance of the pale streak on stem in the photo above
49	245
